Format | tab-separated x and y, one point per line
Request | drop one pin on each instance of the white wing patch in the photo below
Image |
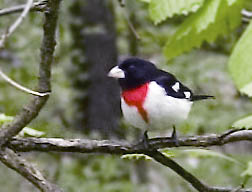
176	87
187	94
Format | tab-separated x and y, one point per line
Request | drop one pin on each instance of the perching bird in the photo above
152	98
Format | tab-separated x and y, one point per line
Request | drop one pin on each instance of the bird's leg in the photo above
145	140
174	136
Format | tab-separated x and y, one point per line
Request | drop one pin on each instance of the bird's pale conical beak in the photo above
116	72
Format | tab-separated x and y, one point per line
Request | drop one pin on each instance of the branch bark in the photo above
24	168
121	147
190	178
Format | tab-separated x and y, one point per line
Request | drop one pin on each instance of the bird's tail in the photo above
201	97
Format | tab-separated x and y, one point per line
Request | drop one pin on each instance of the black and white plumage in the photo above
152	98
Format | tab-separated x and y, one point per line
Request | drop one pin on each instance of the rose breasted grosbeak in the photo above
152	98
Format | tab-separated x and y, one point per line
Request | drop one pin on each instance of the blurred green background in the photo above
66	114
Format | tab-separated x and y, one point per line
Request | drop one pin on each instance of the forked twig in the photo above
14	26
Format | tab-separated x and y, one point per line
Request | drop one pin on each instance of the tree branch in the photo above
30	111
122	147
190	178
246	13
37	6
20	165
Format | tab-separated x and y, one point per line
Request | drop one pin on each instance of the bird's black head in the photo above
133	72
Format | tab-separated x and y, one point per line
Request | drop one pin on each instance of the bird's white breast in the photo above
163	111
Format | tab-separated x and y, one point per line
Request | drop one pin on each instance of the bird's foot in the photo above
174	136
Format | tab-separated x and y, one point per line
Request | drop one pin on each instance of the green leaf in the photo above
29	132
245	122
247	89
165	152
209	153
136	157
159	10
168	152
214	18
240	65
145	1
248	171
26	131
4	118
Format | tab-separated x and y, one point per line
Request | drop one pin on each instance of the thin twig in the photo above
24	168
20	87
14	26
247	14
131	26
36	6
122	3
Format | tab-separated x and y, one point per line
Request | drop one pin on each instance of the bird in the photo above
152	99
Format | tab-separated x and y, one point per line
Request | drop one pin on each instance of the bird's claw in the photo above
174	136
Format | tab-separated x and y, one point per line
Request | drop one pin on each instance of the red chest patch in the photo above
136	97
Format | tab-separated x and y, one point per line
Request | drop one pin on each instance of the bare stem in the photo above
15	25
36	6
20	87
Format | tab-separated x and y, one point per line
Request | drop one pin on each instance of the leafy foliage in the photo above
206	153
136	157
248	171
214	18
5	118
245	122
166	152
146	1
240	66
26	131
163	9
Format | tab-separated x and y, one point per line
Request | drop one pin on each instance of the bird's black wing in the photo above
172	86
175	88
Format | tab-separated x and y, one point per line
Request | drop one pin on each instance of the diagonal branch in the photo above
15	25
20	165
190	178
246	13
30	111
37	6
